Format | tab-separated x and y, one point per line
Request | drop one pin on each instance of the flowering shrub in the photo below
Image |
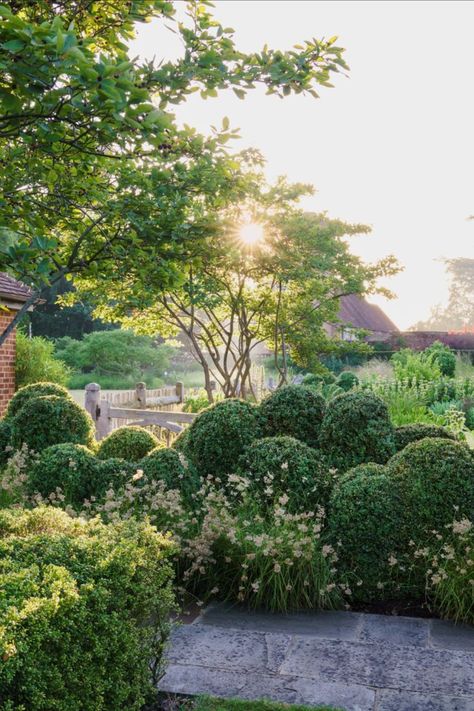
436	477
130	443
284	466
356	429
296	411
5	440
51	419
366	511
413	367
69	467
85	607
450	576
219	435
412	433
26	393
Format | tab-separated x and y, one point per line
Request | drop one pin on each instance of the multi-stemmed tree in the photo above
97	178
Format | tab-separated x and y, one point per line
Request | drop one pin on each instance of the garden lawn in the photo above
206	704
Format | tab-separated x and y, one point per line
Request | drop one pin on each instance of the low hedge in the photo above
294	411
85	608
365	515
436	477
347	380
130	443
357	429
49	420
28	392
406	434
277	466
173	469
220	434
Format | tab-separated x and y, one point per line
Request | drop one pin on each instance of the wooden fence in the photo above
135	408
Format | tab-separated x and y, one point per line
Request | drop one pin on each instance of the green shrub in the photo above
5	440
412	433
444	357
347	380
69	467
412	368
130	443
357	429
277	466
113	473
180	442
219	435
26	393
295	411
173	469
312	380
85	607
368	469
365	513
35	360
436	477
49	420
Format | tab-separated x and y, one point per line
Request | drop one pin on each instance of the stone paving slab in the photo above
354	661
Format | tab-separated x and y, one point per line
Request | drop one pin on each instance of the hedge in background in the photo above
436	477
5	440
220	434
444	357
173	469
406	434
277	466
129	443
84	610
296	411
357	429
28	392
365	513
69	467
49	420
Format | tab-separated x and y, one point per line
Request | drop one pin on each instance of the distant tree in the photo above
36	360
459	312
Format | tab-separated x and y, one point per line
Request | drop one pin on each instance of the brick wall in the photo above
7	362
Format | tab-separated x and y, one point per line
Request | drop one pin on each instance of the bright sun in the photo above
251	233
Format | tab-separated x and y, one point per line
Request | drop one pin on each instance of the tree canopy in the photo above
97	176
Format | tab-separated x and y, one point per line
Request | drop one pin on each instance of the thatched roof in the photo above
357	312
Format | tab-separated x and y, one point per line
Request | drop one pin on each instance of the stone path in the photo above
353	661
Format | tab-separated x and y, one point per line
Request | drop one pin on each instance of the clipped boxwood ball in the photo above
364	527
412	433
173	469
436	477
49	420
113	473
295	411
130	443
357	429
70	467
347	380
26	393
368	469
5	441
220	434
283	465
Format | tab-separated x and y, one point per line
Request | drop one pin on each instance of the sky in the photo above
391	146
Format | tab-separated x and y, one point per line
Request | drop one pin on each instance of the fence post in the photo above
98	409
180	392
92	399
140	394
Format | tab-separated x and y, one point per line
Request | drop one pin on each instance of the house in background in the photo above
356	313
13	295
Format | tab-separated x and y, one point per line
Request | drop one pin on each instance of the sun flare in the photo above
251	233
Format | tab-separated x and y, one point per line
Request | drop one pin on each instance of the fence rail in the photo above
107	416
